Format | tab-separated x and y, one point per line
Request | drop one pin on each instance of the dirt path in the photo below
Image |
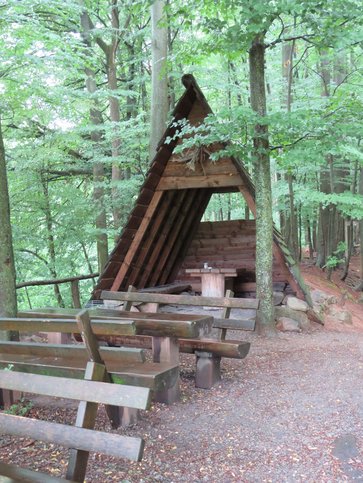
291	411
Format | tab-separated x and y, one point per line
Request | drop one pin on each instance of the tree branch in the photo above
289	39
35	254
56	281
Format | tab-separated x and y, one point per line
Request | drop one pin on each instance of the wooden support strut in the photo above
91	343
137	240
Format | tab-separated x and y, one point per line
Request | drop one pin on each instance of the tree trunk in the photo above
8	306
98	180
110	52
332	176
98	168
51	242
117	174
360	285
159	79
324	212
264	226
291	226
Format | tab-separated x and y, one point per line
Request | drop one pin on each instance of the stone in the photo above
285	324
278	298
346	447
297	304
33	338
319	297
300	317
342	316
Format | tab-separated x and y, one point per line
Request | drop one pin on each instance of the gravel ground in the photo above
292	411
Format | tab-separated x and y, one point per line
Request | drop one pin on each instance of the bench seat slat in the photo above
155	376
180	299
72	351
172	324
15	474
92	391
73	437
234	324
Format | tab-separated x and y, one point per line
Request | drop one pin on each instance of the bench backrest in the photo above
65	325
71	352
188	300
81	438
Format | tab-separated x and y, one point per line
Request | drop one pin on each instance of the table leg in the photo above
208	370
212	286
166	349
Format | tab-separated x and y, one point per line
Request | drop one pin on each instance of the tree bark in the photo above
360	284
51	241
324	212
110	52
291	226
98	168
159	79
98	180
264	226
331	222
8	305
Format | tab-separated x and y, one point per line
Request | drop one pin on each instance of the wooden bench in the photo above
208	351
164	331
123	364
226	303
96	388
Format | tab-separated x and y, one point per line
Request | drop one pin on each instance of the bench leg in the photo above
8	398
128	416
166	349
59	338
208	370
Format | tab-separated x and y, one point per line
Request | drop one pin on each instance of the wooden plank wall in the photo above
228	244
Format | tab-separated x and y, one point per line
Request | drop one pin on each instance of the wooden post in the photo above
86	417
75	294
208	370
91	343
166	349
127	304
225	314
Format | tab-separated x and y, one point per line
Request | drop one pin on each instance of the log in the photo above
234	349
169	288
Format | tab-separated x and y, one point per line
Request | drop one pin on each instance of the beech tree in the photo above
159	78
8	306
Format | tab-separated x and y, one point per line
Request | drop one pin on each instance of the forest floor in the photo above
292	411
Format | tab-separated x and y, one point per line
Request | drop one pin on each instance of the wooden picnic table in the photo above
165	329
213	279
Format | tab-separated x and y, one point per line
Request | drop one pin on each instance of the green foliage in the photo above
48	132
21	408
337	257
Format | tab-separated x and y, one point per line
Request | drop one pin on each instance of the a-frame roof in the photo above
171	203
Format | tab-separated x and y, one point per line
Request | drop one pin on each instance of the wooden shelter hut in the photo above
164	234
